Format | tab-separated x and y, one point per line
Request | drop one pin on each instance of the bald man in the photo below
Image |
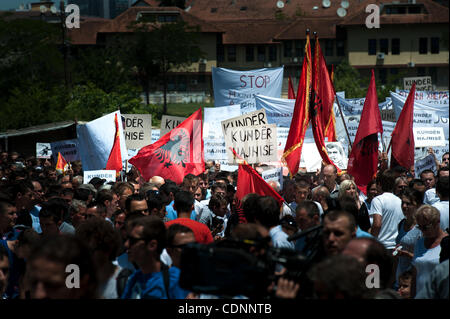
329	180
157	180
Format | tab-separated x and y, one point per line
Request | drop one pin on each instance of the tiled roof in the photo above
436	13
325	28
87	33
251	32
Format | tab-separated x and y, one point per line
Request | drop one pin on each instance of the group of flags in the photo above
173	155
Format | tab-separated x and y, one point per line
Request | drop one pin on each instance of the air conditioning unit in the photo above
194	82
380	56
411	64
267	65
295	59
202	61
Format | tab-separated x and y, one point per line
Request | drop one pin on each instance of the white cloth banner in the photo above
429	98
96	139
232	86
424	115
278	111
67	148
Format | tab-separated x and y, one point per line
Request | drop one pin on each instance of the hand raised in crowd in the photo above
286	288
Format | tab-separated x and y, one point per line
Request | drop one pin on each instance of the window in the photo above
272	53
340	46
329	47
384	46
220	52
372	47
382	73
231	53
434	45
287	49
421	71
261	53
249	53
299	48
423	46
167	18
395	46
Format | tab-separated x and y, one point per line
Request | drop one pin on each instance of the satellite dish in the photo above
345	4
280	4
53	9
341	12
43	9
315	7
326	3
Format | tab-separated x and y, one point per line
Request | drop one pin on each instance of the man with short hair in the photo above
8	216
386	211
445	160
339	227
184	203
429	179
96	210
145	243
177	236
52	218
136	203
111	202
307	215
329	180
202	209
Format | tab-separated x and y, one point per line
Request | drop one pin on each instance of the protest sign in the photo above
109	175
423	83
156	134
137	129
424	115
250	119
427	162
273	174
428	136
337	154
67	148
232	86
43	150
168	123
213	138
278	111
254	144
96	139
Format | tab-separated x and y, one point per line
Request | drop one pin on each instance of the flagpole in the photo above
343	121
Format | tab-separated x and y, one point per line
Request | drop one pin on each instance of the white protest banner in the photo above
43	150
428	98
232	86
424	115
427	162
310	158
213	138
273	174
249	119
278	111
169	122
156	134
96	139
428	136
423	83
67	148
137	130
109	175
254	144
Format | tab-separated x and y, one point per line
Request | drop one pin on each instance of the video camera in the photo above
236	267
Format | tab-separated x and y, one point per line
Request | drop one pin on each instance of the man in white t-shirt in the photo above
442	204
386	211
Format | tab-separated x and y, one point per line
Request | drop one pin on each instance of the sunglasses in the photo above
141	211
133	240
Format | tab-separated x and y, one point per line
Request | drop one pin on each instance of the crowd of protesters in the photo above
127	237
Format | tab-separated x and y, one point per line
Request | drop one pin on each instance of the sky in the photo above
14	4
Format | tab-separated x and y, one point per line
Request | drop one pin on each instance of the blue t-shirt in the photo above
172	213
16	266
151	286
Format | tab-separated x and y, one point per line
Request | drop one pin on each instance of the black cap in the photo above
97	182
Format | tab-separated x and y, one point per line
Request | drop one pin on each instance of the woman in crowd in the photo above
348	189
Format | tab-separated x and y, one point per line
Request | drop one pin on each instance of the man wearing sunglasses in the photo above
136	204
153	280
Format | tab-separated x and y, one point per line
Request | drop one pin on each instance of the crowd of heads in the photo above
51	220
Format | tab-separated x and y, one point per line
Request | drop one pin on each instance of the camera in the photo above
237	267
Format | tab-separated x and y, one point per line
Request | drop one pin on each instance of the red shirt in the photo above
201	231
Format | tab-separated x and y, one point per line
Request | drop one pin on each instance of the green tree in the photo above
348	79
160	48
